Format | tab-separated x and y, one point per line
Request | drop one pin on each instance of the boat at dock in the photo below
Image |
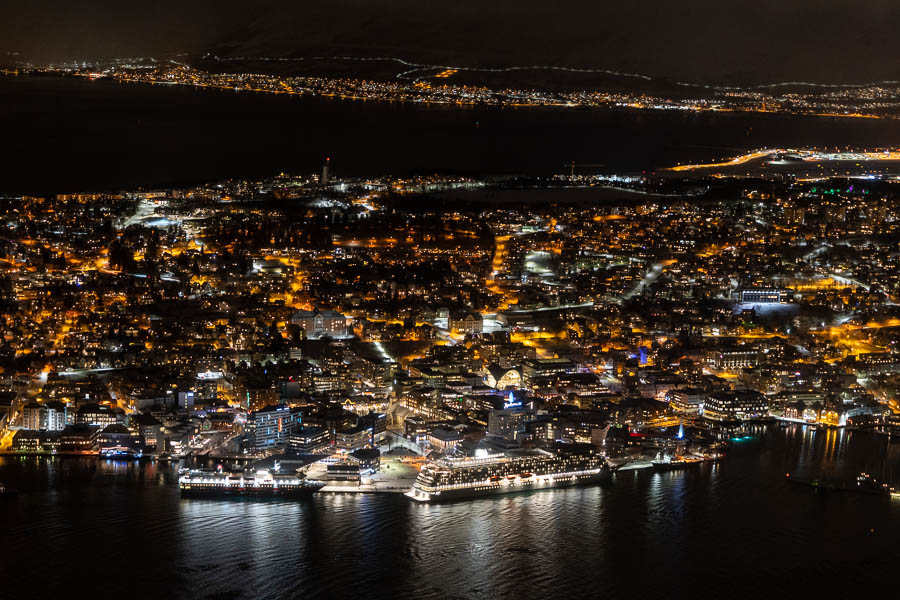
676	463
261	484
514	471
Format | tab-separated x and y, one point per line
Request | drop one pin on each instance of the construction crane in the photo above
572	166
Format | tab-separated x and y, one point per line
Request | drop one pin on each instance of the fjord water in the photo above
72	134
736	529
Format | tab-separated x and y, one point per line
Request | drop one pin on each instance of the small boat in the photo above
667	462
864	484
867	484
121	453
676	464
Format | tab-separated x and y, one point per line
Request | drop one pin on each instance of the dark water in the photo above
736	529
76	135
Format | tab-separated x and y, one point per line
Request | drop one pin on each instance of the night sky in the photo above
721	41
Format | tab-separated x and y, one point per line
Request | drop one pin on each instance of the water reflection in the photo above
640	534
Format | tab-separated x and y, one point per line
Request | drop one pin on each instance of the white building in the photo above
50	416
318	324
466	322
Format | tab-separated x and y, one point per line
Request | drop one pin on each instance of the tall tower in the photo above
324	180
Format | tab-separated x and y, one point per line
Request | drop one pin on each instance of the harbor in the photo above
382	531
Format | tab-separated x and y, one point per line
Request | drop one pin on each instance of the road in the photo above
651	276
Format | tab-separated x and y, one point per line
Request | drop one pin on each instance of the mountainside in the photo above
703	41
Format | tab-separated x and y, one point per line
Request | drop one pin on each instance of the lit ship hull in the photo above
678	464
262	485
455	479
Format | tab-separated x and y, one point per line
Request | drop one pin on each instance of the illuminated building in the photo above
186	400
80	437
507	423
444	440
97	414
502	378
343	472
736	359
351	439
317	323
147	427
541	367
735	406
687	400
366	458
117	440
28	441
48	416
271	426
761	296
376	423
309	440
466	322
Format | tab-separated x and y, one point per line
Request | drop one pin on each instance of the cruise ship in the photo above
456	478
201	484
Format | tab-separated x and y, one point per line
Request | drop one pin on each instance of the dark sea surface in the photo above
736	529
70	134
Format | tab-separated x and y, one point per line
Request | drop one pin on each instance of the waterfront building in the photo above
271	426
444	440
147	427
309	440
175	438
353	438
27	441
98	414
80	437
117	440
533	368
366	458
47	416
343	473
735	406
